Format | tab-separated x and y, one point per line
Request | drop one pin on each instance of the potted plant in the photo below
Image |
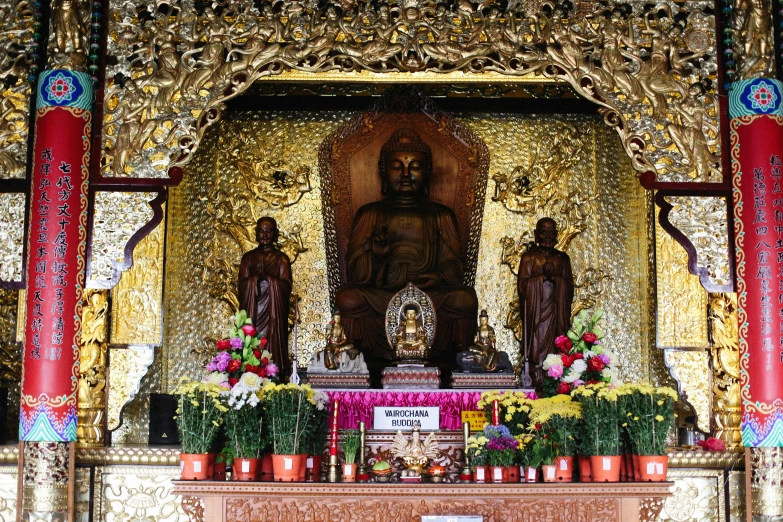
200	412
223	459
477	455
289	411
557	420
602	429
647	417
351	443
532	458
316	438
514	408
244	426
501	451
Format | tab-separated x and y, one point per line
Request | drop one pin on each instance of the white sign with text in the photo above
403	417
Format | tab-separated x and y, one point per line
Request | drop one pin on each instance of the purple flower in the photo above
604	358
236	342
555	371
271	369
219	363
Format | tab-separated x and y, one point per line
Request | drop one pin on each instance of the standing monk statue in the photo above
405	238
546	290
264	291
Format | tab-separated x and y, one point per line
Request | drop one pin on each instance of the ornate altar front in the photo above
605	116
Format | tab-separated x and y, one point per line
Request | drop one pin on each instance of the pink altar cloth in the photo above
357	405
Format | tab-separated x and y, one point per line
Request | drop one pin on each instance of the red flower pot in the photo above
286	467
497	474
549	471
565	469
194	466
531	474
585	473
349	472
606	468
313	468
653	468
637	476
246	470
219	473
512	474
302	467
480	474
267	470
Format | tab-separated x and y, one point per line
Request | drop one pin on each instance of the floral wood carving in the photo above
650	68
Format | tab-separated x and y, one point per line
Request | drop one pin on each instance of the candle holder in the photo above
363	471
333	475
465	474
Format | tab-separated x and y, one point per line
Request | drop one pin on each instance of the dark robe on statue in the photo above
264	292
546	305
424	243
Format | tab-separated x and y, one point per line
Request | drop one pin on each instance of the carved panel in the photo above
131	493
136	299
753	35
691	370
92	367
724	333
16	32
737	509
651	68
127	368
682	301
697	496
117	216
12	211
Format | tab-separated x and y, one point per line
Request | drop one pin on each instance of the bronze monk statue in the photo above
264	292
404	238
483	355
546	290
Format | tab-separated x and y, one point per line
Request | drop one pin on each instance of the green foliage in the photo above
290	417
316	437
244	428
351	445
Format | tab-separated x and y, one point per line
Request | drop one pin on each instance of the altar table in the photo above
324	502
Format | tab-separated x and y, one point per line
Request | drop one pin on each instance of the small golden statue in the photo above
410	341
483	356
337	344
415	454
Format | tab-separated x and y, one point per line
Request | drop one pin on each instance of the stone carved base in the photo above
480	381
410	377
338	380
391	502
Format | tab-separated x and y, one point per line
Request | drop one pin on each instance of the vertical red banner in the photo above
56	258
757	166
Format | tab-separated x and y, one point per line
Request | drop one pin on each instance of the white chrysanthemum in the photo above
250	380
572	376
217	378
551	359
579	366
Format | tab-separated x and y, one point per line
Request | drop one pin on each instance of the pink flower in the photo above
249	329
271	369
589	337
604	358
577	383
555	371
563	343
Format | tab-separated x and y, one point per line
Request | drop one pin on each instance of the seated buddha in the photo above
410	341
337	344
405	238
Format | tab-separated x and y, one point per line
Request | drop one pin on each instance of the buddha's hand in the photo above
380	236
549	270
430	281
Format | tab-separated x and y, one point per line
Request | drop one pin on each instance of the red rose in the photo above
249	329
232	381
563	343
264	361
250	368
579	356
563	388
538	427
595	364
261	372
568	360
589	337
234	365
263	342
592	381
257	353
224	344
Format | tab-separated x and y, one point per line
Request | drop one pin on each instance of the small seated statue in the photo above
340	355
410	341
483	356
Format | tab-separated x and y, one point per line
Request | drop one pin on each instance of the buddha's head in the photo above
410	314
483	318
405	165
546	232
266	231
336	318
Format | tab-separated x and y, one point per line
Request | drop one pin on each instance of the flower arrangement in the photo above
556	420
351	445
647	415
316	436
501	446
477	449
582	359
200	410
289	409
245	418
514	408
600	431
243	352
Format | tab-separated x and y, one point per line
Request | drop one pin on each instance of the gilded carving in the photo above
136	298
753	30
10	354
688	368
143	494
16	32
177	65
682	301
117	216
9	486
12	210
704	221
45	480
697	496
737	508
92	367
766	481
724	332
127	368
68	34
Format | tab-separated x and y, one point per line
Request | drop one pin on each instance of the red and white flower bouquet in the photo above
581	358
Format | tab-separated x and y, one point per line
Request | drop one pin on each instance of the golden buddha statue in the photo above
483	356
337	344
410	341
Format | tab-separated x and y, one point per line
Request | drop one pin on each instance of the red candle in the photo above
333	436
495	413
